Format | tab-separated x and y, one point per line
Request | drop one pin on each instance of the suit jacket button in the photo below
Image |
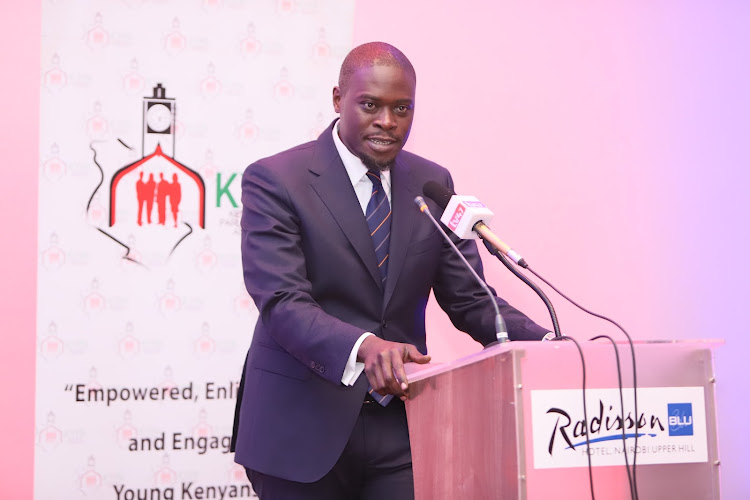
312	364
384	324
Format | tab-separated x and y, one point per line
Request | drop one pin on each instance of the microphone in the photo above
467	217
501	331
472	213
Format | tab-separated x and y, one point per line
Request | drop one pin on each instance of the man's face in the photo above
376	113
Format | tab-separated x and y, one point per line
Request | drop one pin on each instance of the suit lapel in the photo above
333	186
402	223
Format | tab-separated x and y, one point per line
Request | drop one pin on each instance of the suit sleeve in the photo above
275	275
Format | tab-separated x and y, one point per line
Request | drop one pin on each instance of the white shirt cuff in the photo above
354	368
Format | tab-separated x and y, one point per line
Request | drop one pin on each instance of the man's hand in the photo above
384	364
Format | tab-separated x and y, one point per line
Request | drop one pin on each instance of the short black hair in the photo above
372	54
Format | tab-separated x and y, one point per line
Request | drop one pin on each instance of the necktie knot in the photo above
374	176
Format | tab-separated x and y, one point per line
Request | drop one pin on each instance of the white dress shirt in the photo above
362	185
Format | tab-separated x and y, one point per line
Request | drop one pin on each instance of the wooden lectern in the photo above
507	422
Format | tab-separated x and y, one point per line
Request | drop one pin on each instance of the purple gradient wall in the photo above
611	141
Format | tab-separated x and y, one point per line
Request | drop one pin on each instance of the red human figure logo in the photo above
175	195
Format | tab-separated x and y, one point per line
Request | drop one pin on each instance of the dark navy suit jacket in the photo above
310	266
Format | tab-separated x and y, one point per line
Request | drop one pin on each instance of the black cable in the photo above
514	270
585	414
494	251
622	412
632	354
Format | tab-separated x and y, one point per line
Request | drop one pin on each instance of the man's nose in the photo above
386	119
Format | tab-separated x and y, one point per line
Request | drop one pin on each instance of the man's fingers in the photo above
383	374
387	368
399	371
391	363
384	364
380	373
377	381
413	354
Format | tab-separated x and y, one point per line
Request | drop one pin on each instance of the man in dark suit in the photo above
340	263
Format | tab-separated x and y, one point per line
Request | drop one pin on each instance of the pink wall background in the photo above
20	41
611	140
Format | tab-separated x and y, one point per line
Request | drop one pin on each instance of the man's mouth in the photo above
381	143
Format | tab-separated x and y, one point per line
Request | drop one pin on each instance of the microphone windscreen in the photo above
437	193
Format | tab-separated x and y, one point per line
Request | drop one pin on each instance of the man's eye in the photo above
368	105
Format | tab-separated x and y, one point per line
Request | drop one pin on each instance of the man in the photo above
340	263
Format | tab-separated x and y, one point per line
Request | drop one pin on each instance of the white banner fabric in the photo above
149	113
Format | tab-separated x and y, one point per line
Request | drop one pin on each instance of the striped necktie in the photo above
378	215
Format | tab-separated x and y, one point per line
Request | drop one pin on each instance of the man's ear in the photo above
336	100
